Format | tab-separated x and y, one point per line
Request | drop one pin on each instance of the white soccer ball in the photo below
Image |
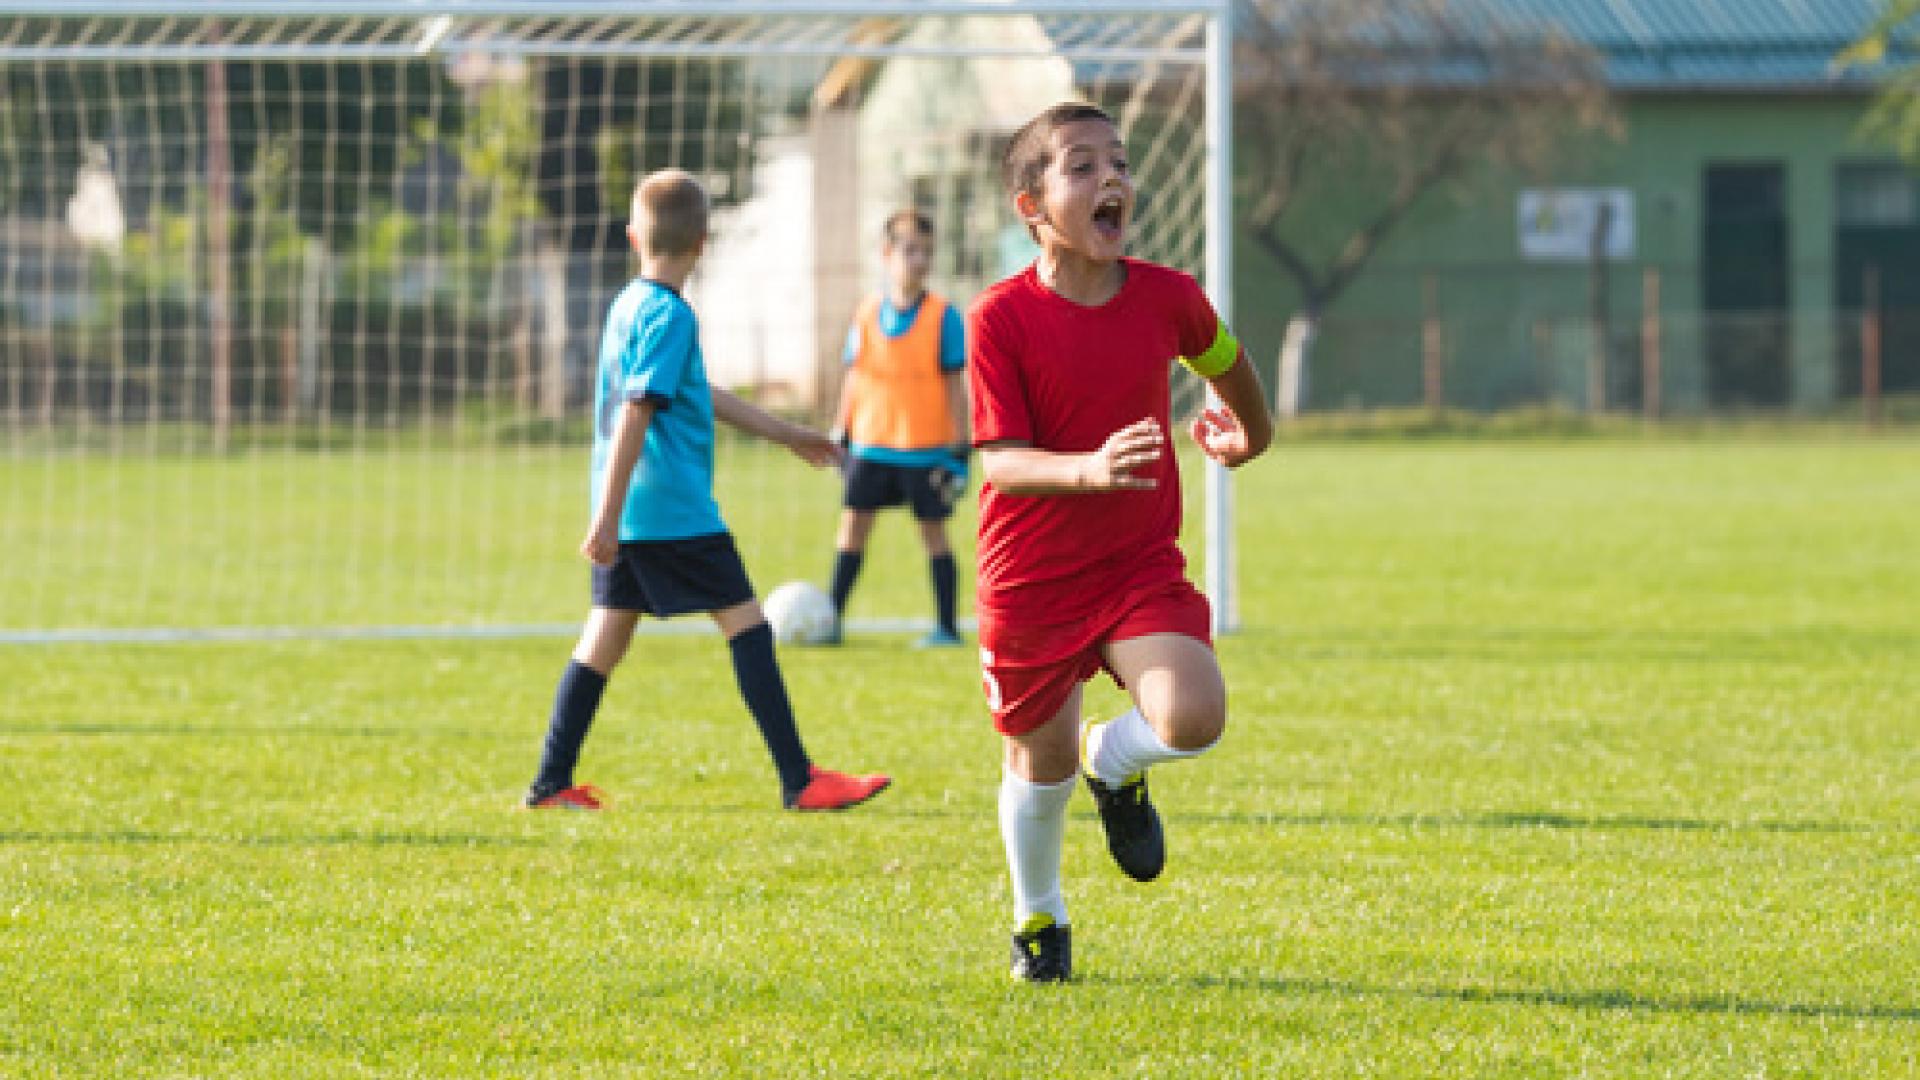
800	613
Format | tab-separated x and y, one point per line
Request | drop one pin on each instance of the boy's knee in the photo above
1191	724
738	619
602	654
1197	733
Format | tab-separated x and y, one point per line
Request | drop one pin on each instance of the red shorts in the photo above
1031	668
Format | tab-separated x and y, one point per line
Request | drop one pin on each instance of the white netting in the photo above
298	310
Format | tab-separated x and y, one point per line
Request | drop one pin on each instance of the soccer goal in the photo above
299	301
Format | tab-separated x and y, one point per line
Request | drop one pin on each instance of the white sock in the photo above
1127	745
1033	822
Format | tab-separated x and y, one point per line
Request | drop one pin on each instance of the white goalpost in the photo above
300	300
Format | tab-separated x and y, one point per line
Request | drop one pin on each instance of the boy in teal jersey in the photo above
903	410
656	539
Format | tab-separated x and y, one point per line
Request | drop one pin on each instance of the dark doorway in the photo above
1877	234
1745	285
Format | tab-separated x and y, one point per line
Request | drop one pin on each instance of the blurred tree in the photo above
342	127
604	122
1893	36
1352	113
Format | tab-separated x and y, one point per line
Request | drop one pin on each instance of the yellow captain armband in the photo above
1217	359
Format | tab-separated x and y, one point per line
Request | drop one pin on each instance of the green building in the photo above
1747	220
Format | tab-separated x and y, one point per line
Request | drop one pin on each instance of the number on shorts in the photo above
986	676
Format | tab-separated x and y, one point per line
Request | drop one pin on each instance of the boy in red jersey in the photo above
1079	569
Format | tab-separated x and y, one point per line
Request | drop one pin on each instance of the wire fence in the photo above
1649	340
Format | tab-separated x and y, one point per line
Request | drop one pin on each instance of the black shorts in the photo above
876	485
664	578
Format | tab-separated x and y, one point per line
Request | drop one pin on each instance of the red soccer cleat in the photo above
830	790
578	797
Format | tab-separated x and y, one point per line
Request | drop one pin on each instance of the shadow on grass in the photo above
1493	819
1593	1000
116	837
1537	819
228	731
1518	820
1546	643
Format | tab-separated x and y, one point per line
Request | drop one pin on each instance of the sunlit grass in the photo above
1598	759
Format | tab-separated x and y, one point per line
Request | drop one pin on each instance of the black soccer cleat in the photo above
1043	953
1134	836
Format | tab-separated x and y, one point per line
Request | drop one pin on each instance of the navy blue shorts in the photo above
664	578
876	485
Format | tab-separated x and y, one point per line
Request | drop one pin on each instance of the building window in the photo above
1876	196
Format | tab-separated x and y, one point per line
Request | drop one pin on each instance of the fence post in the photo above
289	373
314	275
1598	308
551	385
1650	343
1870	345
219	269
49	373
1432	356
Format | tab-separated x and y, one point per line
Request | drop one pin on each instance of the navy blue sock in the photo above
761	687
846	568
574	703
946	585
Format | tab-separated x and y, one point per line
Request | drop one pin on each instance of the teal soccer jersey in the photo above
650	351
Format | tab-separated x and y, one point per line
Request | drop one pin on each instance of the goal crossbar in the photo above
1096	30
103	32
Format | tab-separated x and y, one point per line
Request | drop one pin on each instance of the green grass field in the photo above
1597	758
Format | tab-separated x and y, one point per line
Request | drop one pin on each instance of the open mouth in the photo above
1110	215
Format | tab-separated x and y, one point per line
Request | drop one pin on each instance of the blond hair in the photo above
669	213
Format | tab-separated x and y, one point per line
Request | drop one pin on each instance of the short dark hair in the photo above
900	219
1030	150
672	207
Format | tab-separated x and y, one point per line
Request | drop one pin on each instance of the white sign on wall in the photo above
1559	223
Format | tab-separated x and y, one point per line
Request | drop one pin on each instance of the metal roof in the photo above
1656	45
1711	44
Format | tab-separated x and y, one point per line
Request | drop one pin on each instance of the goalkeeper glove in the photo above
949	477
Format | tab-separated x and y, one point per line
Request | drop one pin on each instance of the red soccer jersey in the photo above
1061	376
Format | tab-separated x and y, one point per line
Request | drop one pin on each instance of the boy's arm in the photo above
843	412
1242	429
810	446
957	405
849	377
602	545
953	363
1018	468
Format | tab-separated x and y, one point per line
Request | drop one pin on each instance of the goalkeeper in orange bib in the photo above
1080	511
902	412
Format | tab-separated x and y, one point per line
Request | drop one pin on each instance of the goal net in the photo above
300	302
